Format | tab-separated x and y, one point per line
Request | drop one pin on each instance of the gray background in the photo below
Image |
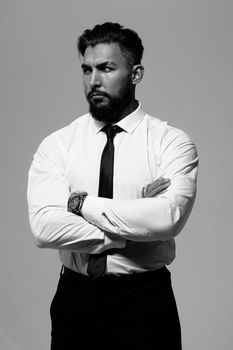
188	82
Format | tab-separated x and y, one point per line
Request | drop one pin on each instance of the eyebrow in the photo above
99	65
83	66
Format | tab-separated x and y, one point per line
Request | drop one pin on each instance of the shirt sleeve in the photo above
47	193
162	217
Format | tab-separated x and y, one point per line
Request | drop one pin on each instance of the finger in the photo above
157	183
154	192
147	189
163	179
143	192
154	186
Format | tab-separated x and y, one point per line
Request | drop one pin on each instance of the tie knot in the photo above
111	130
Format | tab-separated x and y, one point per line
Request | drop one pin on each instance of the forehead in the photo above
99	53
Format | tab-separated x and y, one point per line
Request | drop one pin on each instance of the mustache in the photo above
96	92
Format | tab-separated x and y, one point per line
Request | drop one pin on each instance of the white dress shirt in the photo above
142	229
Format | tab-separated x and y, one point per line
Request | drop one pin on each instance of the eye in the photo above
86	70
107	69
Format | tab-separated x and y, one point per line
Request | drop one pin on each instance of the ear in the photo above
137	73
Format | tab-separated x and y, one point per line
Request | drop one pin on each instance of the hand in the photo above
155	188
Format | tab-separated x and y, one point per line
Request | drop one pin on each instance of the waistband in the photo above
160	274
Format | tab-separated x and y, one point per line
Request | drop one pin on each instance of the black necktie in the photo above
97	262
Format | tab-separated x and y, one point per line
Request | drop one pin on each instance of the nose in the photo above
95	79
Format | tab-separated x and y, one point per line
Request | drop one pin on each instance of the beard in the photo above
111	111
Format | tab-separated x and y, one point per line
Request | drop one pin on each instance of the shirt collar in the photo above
129	123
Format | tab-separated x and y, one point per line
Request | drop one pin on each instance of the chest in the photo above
134	164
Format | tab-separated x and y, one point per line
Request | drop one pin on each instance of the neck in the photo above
128	109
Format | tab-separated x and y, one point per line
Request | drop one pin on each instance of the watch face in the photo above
74	203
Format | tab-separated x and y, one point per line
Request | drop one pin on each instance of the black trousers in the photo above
131	312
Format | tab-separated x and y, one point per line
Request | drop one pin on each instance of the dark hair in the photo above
128	40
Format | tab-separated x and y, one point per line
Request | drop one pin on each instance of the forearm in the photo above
144	220
58	229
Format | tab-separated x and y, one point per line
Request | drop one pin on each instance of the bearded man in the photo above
110	192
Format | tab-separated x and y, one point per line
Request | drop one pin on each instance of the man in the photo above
110	192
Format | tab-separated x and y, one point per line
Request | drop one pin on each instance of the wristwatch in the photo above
75	202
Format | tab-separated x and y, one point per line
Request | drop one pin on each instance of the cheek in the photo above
118	84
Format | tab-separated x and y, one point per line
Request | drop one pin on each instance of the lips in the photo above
97	94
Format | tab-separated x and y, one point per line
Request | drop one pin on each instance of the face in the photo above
107	81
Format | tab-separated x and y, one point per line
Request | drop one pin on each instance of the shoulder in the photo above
63	138
169	141
166	133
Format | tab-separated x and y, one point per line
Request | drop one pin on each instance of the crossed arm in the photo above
108	223
160	215
95	210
